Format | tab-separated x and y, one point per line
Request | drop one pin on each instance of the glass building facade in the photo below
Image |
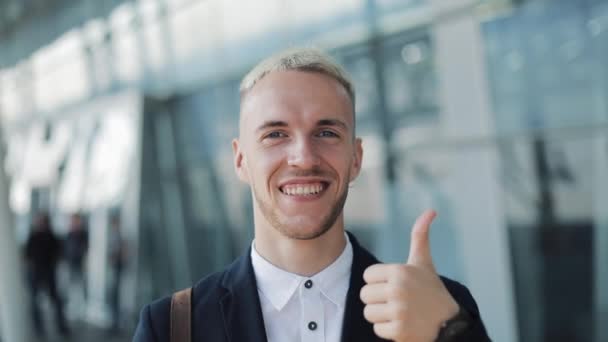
492	112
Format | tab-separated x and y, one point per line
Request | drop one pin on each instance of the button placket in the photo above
312	324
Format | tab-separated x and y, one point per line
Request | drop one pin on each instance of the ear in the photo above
240	165
355	168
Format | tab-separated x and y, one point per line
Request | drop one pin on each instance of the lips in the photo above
307	189
304	187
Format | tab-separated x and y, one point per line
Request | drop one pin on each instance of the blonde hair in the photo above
299	59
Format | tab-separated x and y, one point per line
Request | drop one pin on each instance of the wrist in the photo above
455	327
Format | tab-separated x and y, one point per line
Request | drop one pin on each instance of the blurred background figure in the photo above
76	246
118	254
42	252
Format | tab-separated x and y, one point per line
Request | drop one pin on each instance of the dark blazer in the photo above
226	307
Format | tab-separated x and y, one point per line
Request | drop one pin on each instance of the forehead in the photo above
295	96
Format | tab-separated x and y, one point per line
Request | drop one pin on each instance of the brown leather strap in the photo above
180	316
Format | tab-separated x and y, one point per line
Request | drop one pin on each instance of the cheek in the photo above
265	163
341	161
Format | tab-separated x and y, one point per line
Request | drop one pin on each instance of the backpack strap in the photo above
181	310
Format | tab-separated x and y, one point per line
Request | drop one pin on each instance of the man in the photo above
304	278
117	255
42	252
76	246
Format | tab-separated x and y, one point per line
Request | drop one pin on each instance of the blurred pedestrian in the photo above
117	248
42	252
76	246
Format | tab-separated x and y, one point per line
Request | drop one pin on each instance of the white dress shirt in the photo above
297	308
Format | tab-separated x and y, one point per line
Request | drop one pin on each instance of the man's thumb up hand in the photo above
408	302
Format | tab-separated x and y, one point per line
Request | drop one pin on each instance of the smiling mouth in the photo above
308	189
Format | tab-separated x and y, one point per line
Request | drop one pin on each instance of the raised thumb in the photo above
420	248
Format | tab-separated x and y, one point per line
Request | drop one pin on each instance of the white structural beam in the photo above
14	306
474	190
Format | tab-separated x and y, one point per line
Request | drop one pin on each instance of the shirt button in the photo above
308	284
312	325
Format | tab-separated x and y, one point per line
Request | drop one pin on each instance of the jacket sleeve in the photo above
145	328
477	331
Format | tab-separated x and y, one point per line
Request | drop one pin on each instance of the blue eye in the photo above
274	135
328	134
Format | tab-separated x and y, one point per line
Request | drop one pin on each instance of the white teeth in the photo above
303	190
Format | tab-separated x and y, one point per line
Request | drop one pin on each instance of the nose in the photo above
303	154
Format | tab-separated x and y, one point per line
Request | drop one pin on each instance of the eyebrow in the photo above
322	122
271	124
332	122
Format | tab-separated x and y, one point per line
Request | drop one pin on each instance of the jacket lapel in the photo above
240	306
355	326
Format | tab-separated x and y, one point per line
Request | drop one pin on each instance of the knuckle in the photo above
401	269
409	273
408	269
419	235
400	273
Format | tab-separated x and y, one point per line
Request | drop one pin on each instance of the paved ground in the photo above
82	332
85	333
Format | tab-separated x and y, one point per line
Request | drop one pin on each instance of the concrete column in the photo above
473	188
600	241
14	305
97	312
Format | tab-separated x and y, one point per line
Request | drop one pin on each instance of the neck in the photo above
302	257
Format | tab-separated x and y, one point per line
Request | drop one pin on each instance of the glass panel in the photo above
548	190
359	63
550	187
547	72
544	66
411	88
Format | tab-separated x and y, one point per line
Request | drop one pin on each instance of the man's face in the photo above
297	151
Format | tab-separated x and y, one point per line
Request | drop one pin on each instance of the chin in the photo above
299	225
302	231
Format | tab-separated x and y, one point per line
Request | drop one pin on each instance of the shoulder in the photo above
153	323
209	289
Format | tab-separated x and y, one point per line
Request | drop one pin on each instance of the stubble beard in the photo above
287	229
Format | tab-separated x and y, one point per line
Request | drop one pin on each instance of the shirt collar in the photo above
278	285
275	284
334	280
